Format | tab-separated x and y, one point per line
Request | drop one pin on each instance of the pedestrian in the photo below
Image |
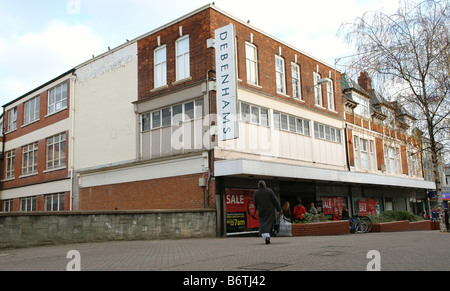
265	203
344	213
313	209
286	210
299	210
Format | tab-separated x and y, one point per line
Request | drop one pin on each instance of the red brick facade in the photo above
201	27
181	192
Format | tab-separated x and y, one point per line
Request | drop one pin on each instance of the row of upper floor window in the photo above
248	113
55	152
252	70
182	68
57	101
365	157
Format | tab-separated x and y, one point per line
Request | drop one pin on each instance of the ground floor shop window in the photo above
241	214
367	206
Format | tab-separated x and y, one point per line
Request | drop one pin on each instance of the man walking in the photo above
265	203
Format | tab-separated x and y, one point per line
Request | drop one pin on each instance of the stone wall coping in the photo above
104	212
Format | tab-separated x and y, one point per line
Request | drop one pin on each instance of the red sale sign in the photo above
332	205
240	210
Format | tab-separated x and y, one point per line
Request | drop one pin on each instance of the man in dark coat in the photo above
265	202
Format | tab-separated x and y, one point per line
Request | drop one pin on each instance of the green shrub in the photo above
309	218
394	215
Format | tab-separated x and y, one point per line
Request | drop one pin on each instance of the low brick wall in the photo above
321	228
41	228
403	225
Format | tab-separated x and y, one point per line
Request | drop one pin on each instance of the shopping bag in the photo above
285	228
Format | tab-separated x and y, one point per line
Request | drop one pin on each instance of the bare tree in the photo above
410	51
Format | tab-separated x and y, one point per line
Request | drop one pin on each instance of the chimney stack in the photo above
365	81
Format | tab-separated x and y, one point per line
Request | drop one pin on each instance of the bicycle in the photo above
368	221
360	224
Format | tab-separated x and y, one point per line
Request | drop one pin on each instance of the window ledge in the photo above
177	82
159	88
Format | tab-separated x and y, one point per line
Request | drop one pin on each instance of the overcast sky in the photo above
40	40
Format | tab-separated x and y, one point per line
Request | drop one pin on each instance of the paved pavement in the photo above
417	250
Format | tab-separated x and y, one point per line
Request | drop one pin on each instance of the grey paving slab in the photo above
399	251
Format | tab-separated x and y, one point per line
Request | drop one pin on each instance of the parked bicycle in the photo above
360	224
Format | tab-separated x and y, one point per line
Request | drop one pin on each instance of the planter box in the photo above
403	225
321	228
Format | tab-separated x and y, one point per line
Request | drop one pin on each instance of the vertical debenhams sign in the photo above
226	78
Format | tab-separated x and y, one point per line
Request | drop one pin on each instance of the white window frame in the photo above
12	119
31	110
182	59
280	73
251	60
330	95
372	155
28	204
356	151
153	119
10	164
30	159
8	205
365	162
54	202
56	151
296	85
326	132
290	123
160	67
255	114
317	90
57	100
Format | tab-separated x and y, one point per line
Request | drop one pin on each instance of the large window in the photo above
8	205
28	204
160	70
10	164
317	90
57	98
291	123
254	114
30	159
54	202
363	106
172	115
392	159
12	119
251	63
183	62
322	131
330	95
56	151
31	110
280	74
296	87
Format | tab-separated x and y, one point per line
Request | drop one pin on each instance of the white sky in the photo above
39	40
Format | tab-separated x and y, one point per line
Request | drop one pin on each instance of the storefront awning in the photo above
272	169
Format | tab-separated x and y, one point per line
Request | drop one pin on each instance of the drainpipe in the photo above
3	153
72	138
210	153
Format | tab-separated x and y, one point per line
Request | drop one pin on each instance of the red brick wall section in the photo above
320	228
181	192
403	225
